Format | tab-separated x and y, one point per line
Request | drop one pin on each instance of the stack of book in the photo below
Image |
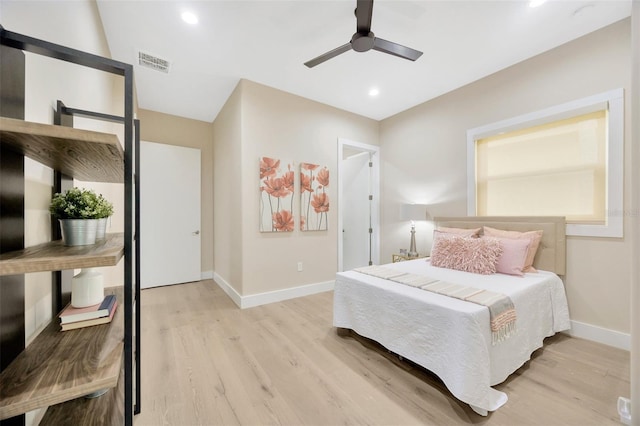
72	318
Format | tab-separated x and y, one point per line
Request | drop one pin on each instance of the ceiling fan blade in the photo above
395	49
364	11
326	56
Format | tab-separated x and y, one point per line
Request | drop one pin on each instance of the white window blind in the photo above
566	160
554	169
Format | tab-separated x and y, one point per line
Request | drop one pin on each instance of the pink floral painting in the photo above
276	196
314	199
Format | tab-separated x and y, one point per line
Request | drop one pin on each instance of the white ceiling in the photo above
268	42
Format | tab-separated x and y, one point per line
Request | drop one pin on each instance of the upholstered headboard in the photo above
551	255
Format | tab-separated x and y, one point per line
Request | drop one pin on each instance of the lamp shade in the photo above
413	212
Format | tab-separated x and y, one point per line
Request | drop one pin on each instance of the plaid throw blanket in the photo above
502	313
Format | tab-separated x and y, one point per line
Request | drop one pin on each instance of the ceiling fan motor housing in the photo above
362	42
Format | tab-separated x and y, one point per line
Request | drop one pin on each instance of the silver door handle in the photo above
195	233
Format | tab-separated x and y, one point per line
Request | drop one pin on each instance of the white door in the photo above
356	219
169	214
358	205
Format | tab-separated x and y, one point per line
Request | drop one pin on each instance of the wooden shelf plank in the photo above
107	409
82	154
55	256
60	366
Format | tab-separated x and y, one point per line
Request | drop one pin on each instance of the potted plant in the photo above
78	211
104	211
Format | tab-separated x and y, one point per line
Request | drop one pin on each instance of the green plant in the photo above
105	208
78	203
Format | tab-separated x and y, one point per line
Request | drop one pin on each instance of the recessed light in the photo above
374	92
190	18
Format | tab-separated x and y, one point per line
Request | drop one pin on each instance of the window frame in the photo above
612	100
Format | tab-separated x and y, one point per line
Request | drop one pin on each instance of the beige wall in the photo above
424	159
277	124
171	130
227	193
635	159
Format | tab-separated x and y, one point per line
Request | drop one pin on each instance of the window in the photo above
563	161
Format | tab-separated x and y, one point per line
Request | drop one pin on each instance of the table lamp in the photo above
413	213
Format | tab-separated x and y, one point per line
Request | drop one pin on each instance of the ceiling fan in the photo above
364	39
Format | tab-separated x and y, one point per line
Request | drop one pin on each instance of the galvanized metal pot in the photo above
79	232
102	228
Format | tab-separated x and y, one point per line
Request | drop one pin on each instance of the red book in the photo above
88	323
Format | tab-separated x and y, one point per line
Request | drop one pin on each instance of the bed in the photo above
450	337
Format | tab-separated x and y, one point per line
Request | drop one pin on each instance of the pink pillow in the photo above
533	236
476	255
514	255
459	231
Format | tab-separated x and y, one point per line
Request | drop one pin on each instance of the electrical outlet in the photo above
299	266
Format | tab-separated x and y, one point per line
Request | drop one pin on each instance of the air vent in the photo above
153	62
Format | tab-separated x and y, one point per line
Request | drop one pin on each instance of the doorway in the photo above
169	214
359	204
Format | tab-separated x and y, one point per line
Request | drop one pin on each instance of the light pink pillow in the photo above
514	255
460	231
533	236
476	255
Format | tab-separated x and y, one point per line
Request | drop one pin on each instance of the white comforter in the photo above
451	337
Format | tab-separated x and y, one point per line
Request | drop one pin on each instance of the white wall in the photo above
424	159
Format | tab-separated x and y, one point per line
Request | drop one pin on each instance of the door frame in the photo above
375	191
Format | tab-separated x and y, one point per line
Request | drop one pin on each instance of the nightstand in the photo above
402	257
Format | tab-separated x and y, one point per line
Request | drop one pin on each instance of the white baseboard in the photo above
206	275
252	300
226	287
601	335
285	294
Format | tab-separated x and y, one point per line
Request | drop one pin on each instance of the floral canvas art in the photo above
314	198
276	196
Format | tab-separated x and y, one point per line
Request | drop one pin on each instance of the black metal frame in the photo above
60	280
64	111
132	195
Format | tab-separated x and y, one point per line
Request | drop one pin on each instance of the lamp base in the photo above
413	252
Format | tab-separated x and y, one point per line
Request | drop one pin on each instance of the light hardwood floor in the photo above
206	362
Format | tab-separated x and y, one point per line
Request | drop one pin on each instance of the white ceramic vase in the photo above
87	288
